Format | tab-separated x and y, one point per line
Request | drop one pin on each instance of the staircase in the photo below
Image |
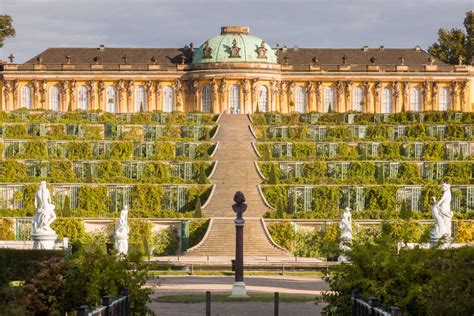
236	169
220	240
235	172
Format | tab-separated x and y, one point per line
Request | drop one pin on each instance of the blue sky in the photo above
174	23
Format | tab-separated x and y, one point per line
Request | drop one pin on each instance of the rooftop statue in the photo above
234	50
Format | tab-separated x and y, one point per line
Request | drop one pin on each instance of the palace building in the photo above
236	72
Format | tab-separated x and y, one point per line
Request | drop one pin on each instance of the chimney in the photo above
365	48
101	47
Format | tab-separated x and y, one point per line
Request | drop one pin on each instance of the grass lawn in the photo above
254	297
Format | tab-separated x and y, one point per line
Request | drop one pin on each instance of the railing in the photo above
371	307
110	307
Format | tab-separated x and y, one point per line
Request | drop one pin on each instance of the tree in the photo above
202	178
6	28
454	43
280	212
197	209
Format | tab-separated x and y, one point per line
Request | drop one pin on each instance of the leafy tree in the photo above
202	178
6	28
280	213
197	208
454	43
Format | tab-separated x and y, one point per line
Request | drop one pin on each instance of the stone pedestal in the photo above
239	290
44	240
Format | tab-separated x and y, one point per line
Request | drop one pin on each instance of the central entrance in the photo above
234	99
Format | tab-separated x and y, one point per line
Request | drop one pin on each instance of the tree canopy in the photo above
6	28
455	43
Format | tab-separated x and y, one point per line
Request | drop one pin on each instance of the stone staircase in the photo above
220	240
235	172
236	169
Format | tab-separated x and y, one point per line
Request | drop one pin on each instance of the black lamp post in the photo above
238	290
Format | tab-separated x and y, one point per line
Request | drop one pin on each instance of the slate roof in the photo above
296	56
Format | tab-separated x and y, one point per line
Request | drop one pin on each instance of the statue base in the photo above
239	290
121	244
342	258
44	240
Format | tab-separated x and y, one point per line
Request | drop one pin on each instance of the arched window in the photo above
54	99
26	97
140	99
415	99
263	99
358	99
83	98
111	100
444	99
168	99
206	98
386	100
234	99
329	99
300	99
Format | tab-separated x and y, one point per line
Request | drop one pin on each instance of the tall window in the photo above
54	99
300	99
206	98
263	99
444	99
415	99
83	98
386	100
329	99
140	99
111	99
357	99
234	99
26	97
168	99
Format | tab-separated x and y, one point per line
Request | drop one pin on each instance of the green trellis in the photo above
81	168
183	170
143	149
278	132
359	131
327	150
434	170
338	170
23	228
133	169
188	150
37	129
273	118
75	130
57	149
409	198
101	149
112	130
195	118
119	196
309	118
456	150
437	131
282	150
14	148
195	132
39	169
11	196
397	131
174	198
300	198
291	170
353	197
60	192
317	132
387	170
160	117
153	132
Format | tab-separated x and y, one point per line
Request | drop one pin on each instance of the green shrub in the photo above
197	230
94	199
71	228
6	229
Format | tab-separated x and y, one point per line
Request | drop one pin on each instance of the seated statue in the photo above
442	214
45	214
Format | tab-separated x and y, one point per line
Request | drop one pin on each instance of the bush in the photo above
6	229
197	230
71	228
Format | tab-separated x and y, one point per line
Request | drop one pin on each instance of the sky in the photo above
41	24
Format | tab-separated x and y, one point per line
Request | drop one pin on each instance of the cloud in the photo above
157	23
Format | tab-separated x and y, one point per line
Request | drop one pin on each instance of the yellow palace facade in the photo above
235	72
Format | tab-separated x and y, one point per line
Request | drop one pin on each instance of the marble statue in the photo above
121	232
43	235
45	214
346	232
442	214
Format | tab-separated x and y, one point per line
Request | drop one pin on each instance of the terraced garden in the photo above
95	163
381	166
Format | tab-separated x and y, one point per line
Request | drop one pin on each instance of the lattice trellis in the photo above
188	150
75	130
183	170
317	132
143	149
300	199
153	132
174	198
282	150
37	129
291	170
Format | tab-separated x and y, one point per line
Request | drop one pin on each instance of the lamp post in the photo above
238	290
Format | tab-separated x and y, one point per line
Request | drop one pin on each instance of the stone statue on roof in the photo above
207	50
234	50
262	51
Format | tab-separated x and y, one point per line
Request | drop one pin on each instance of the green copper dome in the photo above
234	45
